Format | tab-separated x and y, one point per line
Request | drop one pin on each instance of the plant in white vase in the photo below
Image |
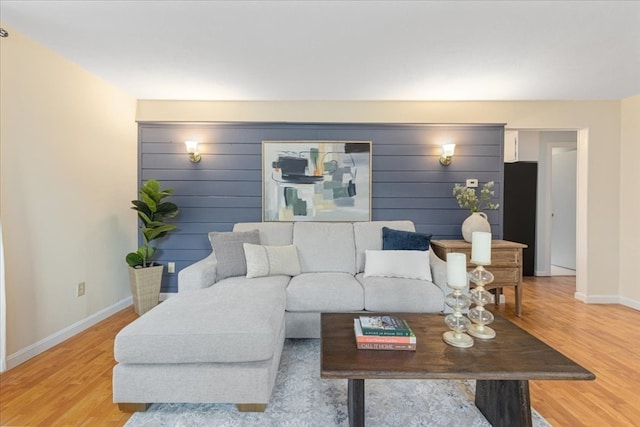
468	199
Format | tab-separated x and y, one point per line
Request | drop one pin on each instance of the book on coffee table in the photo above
381	342
383	346
384	326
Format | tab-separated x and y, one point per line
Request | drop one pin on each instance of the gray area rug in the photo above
301	398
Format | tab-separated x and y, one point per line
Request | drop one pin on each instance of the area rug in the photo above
302	399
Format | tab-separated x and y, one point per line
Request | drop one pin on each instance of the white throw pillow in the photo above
271	260
403	264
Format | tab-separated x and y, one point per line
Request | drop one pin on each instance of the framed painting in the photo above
316	180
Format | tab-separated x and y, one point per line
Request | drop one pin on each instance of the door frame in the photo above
543	228
544	216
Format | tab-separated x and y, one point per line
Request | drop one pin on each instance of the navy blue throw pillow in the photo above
398	240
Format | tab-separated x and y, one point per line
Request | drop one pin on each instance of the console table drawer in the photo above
504	276
505	258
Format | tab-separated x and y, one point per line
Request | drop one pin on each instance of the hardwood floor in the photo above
603	338
70	385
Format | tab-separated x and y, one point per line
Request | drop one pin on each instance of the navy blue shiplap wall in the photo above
225	187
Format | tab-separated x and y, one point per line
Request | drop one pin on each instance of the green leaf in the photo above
152	185
147	251
134	259
167	210
153	233
166	192
152	189
140	206
154	224
149	201
147	220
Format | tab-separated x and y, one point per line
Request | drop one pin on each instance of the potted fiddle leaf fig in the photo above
144	275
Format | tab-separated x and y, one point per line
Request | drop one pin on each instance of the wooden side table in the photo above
506	264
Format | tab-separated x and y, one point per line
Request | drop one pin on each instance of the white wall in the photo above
68	173
528	146
563	205
629	202
601	118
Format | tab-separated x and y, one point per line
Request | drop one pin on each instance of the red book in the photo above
383	346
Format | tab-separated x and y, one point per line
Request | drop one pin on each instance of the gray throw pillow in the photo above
229	252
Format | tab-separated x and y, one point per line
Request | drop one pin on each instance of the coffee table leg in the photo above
355	391
504	403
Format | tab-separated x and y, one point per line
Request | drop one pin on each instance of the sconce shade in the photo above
447	154
192	149
448	149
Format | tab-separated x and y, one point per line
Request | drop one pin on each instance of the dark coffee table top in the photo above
513	355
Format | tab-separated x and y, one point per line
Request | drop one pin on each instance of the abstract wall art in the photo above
316	180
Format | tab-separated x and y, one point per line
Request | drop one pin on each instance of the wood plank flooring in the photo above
603	338
70	385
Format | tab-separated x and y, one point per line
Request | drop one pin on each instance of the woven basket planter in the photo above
145	287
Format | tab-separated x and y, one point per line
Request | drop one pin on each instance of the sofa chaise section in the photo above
217	345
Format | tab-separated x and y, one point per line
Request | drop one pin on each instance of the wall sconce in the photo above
192	149
447	154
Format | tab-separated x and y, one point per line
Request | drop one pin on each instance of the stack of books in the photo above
383	333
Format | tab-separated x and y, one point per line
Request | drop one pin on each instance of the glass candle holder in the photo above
457	279
480	297
456	321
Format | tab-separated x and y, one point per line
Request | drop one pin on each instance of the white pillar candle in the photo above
456	270
481	248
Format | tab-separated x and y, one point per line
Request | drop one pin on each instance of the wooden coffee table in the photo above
502	367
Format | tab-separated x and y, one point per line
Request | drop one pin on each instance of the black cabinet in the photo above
519	210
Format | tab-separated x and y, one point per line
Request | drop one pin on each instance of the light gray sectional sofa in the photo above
220	338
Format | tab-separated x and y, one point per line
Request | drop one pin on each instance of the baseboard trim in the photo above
628	302
580	296
607	299
52	340
597	299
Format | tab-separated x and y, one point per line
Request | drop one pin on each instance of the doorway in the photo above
561	176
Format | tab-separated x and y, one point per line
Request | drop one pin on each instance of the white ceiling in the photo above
345	50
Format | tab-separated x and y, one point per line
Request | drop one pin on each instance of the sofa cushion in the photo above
404	264
368	235
233	321
328	292
271	260
325	247
386	294
271	233
229	253
399	240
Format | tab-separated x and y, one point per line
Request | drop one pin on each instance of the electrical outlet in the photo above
472	183
80	289
171	267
